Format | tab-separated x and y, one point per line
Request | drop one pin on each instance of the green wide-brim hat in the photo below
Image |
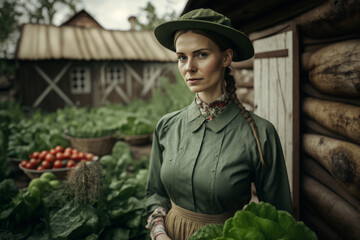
210	20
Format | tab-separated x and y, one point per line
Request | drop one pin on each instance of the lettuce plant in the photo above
260	221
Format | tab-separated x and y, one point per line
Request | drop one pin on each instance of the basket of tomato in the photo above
57	160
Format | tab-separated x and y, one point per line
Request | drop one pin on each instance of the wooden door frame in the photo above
295	98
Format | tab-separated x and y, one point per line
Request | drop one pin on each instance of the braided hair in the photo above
231	91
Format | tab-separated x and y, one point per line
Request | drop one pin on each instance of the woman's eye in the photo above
203	55
181	58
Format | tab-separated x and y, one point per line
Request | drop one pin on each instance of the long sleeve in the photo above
156	195
271	180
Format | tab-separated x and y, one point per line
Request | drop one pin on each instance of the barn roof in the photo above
78	20
43	42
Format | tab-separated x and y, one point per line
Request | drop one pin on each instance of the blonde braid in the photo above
231	90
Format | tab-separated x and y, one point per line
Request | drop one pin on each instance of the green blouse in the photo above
207	166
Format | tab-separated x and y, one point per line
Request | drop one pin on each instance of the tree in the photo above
9	17
43	11
153	19
14	13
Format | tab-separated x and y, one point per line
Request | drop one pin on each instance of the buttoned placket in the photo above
213	164
197	126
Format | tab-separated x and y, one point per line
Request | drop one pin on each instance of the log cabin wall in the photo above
330	127
244	78
330	94
331	136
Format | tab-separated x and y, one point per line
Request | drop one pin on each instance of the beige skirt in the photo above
181	223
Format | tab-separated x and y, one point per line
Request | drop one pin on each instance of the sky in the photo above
114	14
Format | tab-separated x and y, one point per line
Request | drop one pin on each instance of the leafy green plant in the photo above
106	202
10	112
260	221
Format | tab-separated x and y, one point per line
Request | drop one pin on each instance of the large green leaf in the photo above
263	210
295	230
76	221
207	232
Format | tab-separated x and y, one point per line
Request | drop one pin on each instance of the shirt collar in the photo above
213	109
196	120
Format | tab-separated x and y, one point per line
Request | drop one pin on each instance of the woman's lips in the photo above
194	80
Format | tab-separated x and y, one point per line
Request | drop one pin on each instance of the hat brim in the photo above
243	47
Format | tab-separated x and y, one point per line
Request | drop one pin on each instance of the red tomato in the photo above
89	156
49	158
23	163
75	156
81	155
52	151
43	154
59	149
34	161
66	155
30	165
58	164
35	155
68	149
46	164
40	168
59	156
75	150
70	164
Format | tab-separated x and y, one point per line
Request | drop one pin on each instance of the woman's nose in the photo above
190	66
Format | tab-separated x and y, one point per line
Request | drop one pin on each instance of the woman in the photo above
205	156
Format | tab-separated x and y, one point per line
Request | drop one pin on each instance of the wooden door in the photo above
276	94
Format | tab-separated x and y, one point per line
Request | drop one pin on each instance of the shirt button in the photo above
216	155
180	148
212	170
170	159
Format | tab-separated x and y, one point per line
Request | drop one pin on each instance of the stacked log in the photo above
339	118
335	69
333	18
330	81
340	158
244	78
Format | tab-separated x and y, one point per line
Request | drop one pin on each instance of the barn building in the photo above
82	64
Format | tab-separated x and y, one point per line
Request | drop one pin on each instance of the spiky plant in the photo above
84	182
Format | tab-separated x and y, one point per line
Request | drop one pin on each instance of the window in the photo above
80	80
115	74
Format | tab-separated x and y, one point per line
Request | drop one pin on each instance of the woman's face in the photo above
202	64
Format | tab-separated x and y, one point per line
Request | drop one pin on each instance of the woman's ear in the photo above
228	56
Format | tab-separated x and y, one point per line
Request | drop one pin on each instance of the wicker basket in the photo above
60	173
137	140
98	146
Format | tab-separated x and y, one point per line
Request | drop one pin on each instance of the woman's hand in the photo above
163	236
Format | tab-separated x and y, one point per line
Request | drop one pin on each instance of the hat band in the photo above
222	42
